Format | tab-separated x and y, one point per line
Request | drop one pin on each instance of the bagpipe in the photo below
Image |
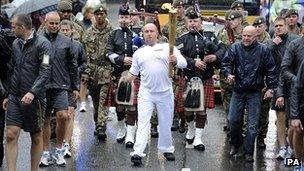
216	20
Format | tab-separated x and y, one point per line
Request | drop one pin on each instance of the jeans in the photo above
236	113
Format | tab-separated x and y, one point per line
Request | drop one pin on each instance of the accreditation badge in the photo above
46	59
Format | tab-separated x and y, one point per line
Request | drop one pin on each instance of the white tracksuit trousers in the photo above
164	103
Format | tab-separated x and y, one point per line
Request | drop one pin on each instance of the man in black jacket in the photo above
6	40
29	72
280	104
66	28
202	51
289	68
246	64
64	77
297	112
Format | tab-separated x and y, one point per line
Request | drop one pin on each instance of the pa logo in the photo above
292	162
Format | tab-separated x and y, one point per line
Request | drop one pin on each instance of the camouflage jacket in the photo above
223	37
78	32
265	38
98	67
181	27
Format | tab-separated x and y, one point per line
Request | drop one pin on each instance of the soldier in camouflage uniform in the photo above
262	36
238	6
235	19
98	67
292	18
65	11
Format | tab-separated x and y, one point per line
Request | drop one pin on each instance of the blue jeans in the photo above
236	113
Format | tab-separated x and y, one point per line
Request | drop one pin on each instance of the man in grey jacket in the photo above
28	73
64	76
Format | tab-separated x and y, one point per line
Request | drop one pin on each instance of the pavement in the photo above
91	154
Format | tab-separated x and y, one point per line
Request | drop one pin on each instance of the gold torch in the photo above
172	32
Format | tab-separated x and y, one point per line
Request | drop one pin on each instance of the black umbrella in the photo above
36	5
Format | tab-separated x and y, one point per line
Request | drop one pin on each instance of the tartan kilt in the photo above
111	101
110	98
180	88
208	94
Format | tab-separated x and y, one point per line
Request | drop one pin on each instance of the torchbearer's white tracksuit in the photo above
155	90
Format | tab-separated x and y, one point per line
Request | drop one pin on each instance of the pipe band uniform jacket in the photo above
118	46
195	45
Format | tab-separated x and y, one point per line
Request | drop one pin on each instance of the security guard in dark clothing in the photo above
6	40
202	52
64	77
120	51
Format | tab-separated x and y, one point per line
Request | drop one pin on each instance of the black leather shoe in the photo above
154	133
261	144
182	128
121	140
190	141
101	135
129	144
174	126
136	160
200	147
249	158
169	156
233	150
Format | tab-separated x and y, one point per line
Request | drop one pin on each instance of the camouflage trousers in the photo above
99	94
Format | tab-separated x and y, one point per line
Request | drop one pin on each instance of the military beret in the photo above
124	11
258	21
291	12
235	14
64	6
236	4
178	3
100	8
191	13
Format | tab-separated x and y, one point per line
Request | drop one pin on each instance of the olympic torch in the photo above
172	32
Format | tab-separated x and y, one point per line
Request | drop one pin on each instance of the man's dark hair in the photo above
280	19
66	23
24	20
